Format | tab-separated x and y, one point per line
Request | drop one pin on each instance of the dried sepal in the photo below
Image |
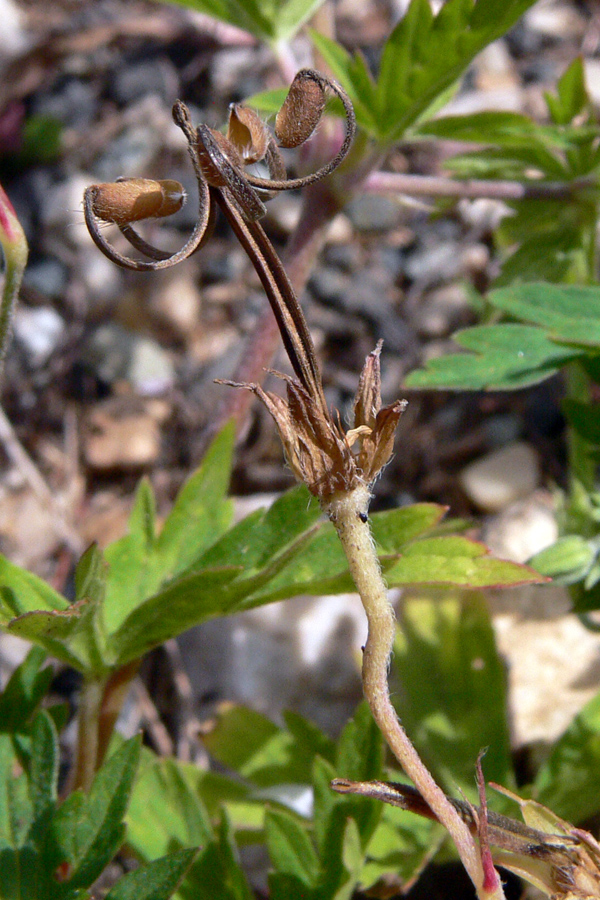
367	402
315	447
301	111
248	133
318	450
377	446
134	199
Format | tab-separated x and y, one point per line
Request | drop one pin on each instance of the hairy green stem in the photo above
348	513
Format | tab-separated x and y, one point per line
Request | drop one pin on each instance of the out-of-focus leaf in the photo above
360	758
568	560
584	418
156	880
568	313
165	811
290	848
140	563
423	56
452	692
24	691
217	871
260	751
402	844
569	781
269	20
571	95
502	357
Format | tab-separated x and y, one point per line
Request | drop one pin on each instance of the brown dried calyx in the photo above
318	450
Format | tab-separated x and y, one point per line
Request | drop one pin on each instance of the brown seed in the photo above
301	111
134	199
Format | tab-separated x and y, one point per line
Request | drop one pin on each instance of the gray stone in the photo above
71	101
48	276
145	76
374	212
114	353
129	153
38	331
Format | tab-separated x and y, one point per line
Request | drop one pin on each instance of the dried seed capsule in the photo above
134	199
247	132
301	111
216	156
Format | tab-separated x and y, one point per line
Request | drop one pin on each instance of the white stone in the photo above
501	477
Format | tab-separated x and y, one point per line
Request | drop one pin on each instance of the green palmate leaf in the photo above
568	313
456	561
502	357
26	802
269	20
23	592
452	689
320	566
43	768
355	78
140	563
75	634
156	880
189	601
422	58
260	537
569	781
520	139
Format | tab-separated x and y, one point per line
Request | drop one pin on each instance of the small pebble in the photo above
47	276
373	212
38	331
133	81
501	477
115	354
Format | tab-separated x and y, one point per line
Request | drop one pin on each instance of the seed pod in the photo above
134	199
217	156
247	132
301	111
